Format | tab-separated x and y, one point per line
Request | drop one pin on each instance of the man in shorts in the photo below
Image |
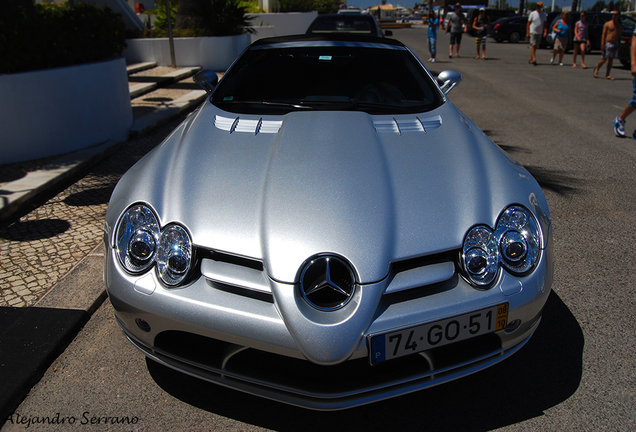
619	122
535	28
456	24
610	42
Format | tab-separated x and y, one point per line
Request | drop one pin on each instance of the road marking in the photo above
532	76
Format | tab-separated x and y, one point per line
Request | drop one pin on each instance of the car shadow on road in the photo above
553	180
546	372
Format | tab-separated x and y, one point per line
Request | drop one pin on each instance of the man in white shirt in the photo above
534	30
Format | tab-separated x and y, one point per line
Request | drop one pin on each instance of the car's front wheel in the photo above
514	37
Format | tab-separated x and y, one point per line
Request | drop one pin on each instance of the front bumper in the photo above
243	342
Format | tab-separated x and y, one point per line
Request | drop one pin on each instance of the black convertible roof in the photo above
348	37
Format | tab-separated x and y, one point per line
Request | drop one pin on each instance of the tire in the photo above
514	37
499	40
625	63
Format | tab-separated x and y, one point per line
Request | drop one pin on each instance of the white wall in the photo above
283	23
213	53
55	111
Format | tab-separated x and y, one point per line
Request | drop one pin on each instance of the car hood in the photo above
371	189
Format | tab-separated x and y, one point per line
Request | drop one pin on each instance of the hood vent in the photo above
407	125
255	127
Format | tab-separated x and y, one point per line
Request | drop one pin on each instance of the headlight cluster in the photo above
141	243
514	244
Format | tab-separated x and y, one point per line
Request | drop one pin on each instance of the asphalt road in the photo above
577	373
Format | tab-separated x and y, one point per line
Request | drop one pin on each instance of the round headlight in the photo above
519	242
515	244
174	255
480	256
136	238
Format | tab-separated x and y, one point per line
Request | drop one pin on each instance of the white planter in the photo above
49	112
213	53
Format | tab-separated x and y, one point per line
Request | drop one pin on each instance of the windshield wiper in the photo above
268	103
378	106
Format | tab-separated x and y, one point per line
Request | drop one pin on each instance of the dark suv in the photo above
595	22
512	29
492	14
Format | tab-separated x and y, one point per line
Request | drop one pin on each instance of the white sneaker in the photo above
433	60
552	60
619	127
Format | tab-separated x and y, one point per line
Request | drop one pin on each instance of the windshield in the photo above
271	80
344	23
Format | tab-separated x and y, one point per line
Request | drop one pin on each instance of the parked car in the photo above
347	23
492	14
511	29
596	21
328	230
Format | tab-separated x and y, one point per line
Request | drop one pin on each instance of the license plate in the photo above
411	340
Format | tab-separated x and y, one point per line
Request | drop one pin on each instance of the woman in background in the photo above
480	25
562	31
580	39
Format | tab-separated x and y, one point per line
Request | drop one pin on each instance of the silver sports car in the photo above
328	230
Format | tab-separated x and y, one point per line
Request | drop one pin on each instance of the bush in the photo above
321	6
228	18
58	35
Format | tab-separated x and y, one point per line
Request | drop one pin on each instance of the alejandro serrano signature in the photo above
86	419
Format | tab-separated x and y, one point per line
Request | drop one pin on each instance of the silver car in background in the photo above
328	230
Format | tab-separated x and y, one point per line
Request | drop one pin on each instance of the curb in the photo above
33	337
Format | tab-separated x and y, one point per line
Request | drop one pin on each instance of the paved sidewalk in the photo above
51	242
40	240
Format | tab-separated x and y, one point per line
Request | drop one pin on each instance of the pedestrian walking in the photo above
561	31
480	25
433	25
580	40
619	122
535	29
456	25
609	43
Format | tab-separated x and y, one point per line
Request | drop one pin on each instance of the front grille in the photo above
238	275
301	377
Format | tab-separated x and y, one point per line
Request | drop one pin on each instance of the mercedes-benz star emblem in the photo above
327	283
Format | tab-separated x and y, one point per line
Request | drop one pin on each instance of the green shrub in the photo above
229	18
57	35
321	6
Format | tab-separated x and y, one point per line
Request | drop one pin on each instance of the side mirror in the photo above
388	33
448	79
207	79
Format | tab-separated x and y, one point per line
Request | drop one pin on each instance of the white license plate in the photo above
411	340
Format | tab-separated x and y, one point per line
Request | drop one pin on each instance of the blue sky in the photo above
409	3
